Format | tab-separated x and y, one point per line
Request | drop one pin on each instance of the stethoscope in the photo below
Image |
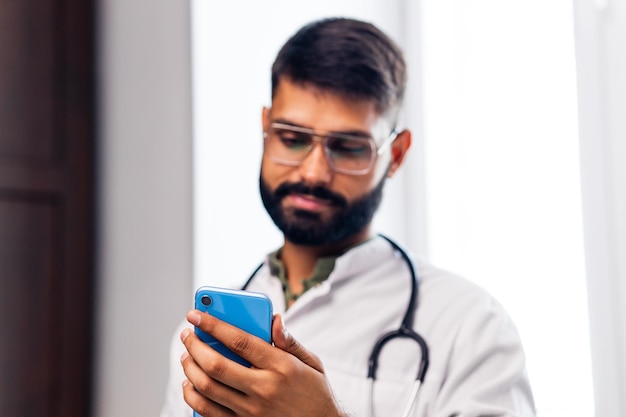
405	331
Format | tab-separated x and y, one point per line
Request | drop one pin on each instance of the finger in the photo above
284	340
204	384
252	348
202	405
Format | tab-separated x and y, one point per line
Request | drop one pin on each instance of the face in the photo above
310	203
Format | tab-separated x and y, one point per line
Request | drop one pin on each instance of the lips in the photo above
307	202
306	197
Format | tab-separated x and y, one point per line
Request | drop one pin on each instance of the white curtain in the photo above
601	59
502	176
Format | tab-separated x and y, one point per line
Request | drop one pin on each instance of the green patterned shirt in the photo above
323	268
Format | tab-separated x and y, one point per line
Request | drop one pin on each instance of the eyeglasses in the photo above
345	153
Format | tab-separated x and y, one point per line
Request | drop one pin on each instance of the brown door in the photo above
46	207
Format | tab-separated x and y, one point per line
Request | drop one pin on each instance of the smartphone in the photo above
247	310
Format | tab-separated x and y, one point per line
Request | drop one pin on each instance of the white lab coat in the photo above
477	364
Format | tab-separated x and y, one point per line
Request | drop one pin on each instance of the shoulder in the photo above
477	358
460	314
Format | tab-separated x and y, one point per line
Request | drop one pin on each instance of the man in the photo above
330	141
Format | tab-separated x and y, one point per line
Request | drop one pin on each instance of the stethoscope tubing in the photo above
404	331
406	327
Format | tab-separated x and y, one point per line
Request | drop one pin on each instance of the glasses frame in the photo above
323	137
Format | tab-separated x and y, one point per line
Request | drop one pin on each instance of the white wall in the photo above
601	60
145	199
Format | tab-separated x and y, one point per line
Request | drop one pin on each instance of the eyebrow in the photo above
357	133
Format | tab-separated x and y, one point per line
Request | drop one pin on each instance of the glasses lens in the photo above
287	146
349	154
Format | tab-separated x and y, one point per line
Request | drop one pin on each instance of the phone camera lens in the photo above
206	300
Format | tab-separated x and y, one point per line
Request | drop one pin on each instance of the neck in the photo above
300	260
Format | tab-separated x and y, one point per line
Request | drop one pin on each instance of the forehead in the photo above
311	107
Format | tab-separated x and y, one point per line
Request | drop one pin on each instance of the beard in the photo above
308	228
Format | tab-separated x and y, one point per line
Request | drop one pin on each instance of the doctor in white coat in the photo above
330	142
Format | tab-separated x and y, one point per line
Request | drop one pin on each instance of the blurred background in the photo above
145	123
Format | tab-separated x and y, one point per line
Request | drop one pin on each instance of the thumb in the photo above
285	341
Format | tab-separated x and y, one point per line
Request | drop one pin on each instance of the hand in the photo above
285	380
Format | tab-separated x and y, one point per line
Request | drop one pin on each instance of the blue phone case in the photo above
247	310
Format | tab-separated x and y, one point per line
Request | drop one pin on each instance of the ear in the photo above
399	149
265	119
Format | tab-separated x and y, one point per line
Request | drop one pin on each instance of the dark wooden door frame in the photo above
47	203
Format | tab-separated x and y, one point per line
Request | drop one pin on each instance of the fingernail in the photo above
184	356
185	383
194	318
185	334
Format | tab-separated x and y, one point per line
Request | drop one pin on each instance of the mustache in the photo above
320	192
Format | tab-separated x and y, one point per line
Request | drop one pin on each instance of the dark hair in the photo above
348	57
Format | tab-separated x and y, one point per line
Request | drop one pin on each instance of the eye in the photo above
349	148
292	140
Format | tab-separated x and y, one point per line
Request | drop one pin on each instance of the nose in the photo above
315	169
